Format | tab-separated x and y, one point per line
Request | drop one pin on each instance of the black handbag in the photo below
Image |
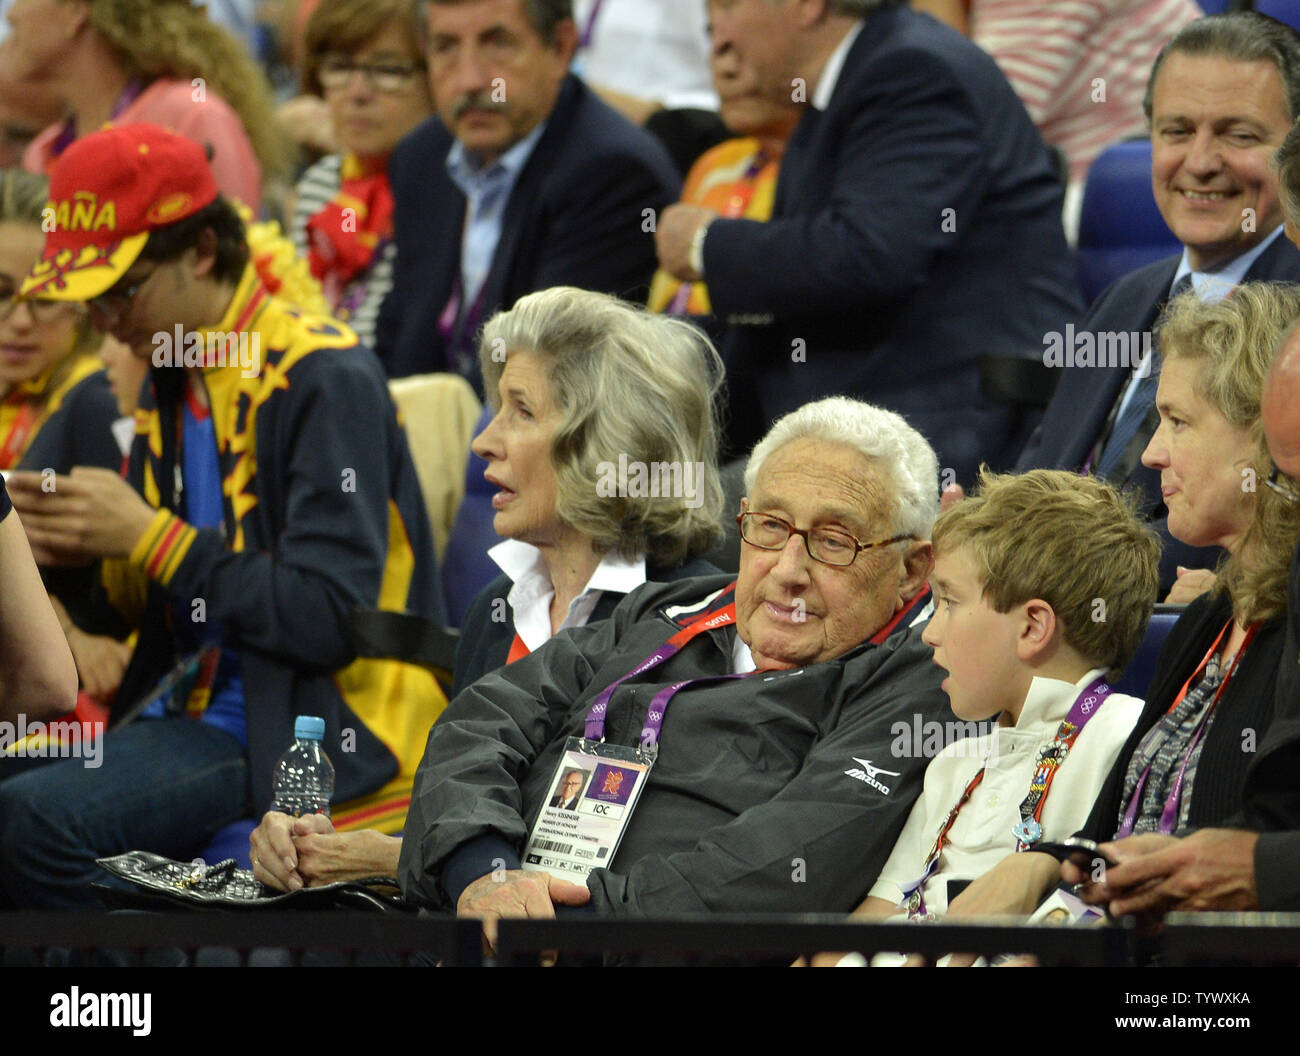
164	882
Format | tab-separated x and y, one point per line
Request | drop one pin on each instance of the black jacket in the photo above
485	642
1240	721
1272	793
753	776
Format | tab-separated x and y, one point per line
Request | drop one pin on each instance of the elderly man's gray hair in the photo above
907	462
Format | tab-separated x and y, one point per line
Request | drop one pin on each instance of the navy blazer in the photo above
916	231
577	216
1084	397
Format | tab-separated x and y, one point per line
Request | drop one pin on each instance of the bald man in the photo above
1255	866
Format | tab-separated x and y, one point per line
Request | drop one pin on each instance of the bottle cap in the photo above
311	727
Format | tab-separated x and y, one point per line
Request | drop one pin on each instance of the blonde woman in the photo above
159	62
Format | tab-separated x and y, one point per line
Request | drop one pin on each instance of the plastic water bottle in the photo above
304	776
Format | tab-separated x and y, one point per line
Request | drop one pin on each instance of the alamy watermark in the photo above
652	480
1130	349
181	348
60	739
924	739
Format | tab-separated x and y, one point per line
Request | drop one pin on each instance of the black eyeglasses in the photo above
336	72
830	546
1283	485
115	301
42	311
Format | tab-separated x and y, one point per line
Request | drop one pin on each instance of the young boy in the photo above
1043	585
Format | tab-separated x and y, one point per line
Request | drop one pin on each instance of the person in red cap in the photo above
269	492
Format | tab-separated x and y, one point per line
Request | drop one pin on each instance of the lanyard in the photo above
584	40
654	720
1169	815
1049	761
735	208
1030	830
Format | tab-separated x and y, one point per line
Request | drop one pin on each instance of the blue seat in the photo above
1142	668
466	568
1287	11
231	842
1120	228
1217	7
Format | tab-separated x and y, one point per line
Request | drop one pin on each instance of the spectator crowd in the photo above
712	384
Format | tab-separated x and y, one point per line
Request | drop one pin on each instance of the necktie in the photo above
1136	424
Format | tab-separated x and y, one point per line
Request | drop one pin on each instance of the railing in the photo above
1238	938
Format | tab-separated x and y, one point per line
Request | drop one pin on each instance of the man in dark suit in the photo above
1221	98
524	180
916	230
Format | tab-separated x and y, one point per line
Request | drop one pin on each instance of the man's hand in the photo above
88	514
1190	585
674	231
101	662
1213	869
517	893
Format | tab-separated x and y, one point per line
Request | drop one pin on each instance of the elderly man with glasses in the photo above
775	713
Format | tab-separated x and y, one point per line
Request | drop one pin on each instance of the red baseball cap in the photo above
108	191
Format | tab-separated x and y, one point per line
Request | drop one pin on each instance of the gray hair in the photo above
543	15
628	384
1243	36
907	462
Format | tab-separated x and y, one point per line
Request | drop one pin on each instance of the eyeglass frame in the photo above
125	297
347	66
44	310
805	532
1289	492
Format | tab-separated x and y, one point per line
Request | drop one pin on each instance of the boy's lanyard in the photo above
1029	829
1173	803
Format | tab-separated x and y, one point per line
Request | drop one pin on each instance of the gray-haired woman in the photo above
604	451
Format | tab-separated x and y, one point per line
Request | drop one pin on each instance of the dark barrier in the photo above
1231	938
777	938
338	937
1210	938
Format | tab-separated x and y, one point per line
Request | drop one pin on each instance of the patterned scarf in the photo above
344	237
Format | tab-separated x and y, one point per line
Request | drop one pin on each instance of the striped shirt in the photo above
1079	66
359	303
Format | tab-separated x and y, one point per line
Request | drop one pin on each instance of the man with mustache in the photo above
523	181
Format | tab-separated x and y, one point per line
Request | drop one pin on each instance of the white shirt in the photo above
531	594
981	835
831	73
650	49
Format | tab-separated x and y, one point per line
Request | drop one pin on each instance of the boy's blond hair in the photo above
1075	542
